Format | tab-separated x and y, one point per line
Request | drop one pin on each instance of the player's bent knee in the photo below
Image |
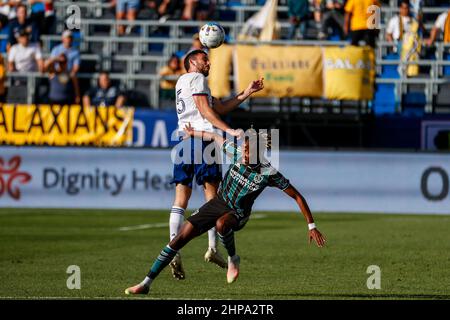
220	225
225	223
186	234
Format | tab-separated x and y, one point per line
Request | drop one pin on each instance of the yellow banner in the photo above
288	71
221	60
65	125
349	73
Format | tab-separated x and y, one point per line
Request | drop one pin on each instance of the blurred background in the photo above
135	48
355	75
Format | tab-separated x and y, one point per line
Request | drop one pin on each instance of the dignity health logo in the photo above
10	176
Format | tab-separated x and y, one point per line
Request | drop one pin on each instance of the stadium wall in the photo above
140	179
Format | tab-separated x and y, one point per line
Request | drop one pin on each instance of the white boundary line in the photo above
165	224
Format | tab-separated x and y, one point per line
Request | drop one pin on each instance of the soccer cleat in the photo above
213	256
177	267
137	289
233	268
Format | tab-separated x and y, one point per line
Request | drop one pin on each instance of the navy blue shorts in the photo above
184	173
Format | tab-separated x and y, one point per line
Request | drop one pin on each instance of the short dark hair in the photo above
404	2
190	55
22	5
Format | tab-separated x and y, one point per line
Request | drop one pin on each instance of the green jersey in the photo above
242	184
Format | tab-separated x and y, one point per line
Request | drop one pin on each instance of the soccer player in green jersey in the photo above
230	210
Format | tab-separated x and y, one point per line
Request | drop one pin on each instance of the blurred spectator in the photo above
204	10
196	44
318	7
357	15
25	56
170	9
188	10
150	10
43	13
6	13
333	17
126	9
161	9
403	32
64	87
67	48
399	24
298	11
173	68
22	22
442	24
198	9
8	8
2	79
416	9
105	94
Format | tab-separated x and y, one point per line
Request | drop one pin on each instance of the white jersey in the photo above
189	85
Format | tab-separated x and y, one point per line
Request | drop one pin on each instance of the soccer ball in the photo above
212	35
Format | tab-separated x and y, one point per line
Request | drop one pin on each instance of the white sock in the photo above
212	238
175	221
147	282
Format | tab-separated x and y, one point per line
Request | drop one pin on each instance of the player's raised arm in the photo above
207	136
224	107
202	103
303	205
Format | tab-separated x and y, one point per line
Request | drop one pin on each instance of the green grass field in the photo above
37	246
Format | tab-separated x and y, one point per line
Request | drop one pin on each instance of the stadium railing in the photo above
135	61
127	80
139	52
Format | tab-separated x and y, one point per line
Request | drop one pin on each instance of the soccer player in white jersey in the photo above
196	106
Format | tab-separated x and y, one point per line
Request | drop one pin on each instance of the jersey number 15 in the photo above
181	106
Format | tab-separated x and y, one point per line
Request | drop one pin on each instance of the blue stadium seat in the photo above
413	103
158	47
384	101
447	68
390	71
4	42
180	53
334	37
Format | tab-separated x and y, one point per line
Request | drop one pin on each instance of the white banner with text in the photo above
39	177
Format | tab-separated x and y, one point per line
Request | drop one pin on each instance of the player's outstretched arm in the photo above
202	103
224	107
207	136
313	234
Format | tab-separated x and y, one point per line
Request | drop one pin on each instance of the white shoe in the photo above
177	267
233	268
213	256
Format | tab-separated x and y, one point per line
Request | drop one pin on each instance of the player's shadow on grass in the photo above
368	296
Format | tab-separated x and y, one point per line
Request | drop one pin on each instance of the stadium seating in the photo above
135	59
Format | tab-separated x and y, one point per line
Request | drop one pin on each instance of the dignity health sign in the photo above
346	73
129	178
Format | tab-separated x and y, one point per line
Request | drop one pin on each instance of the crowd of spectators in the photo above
337	19
105	93
161	10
